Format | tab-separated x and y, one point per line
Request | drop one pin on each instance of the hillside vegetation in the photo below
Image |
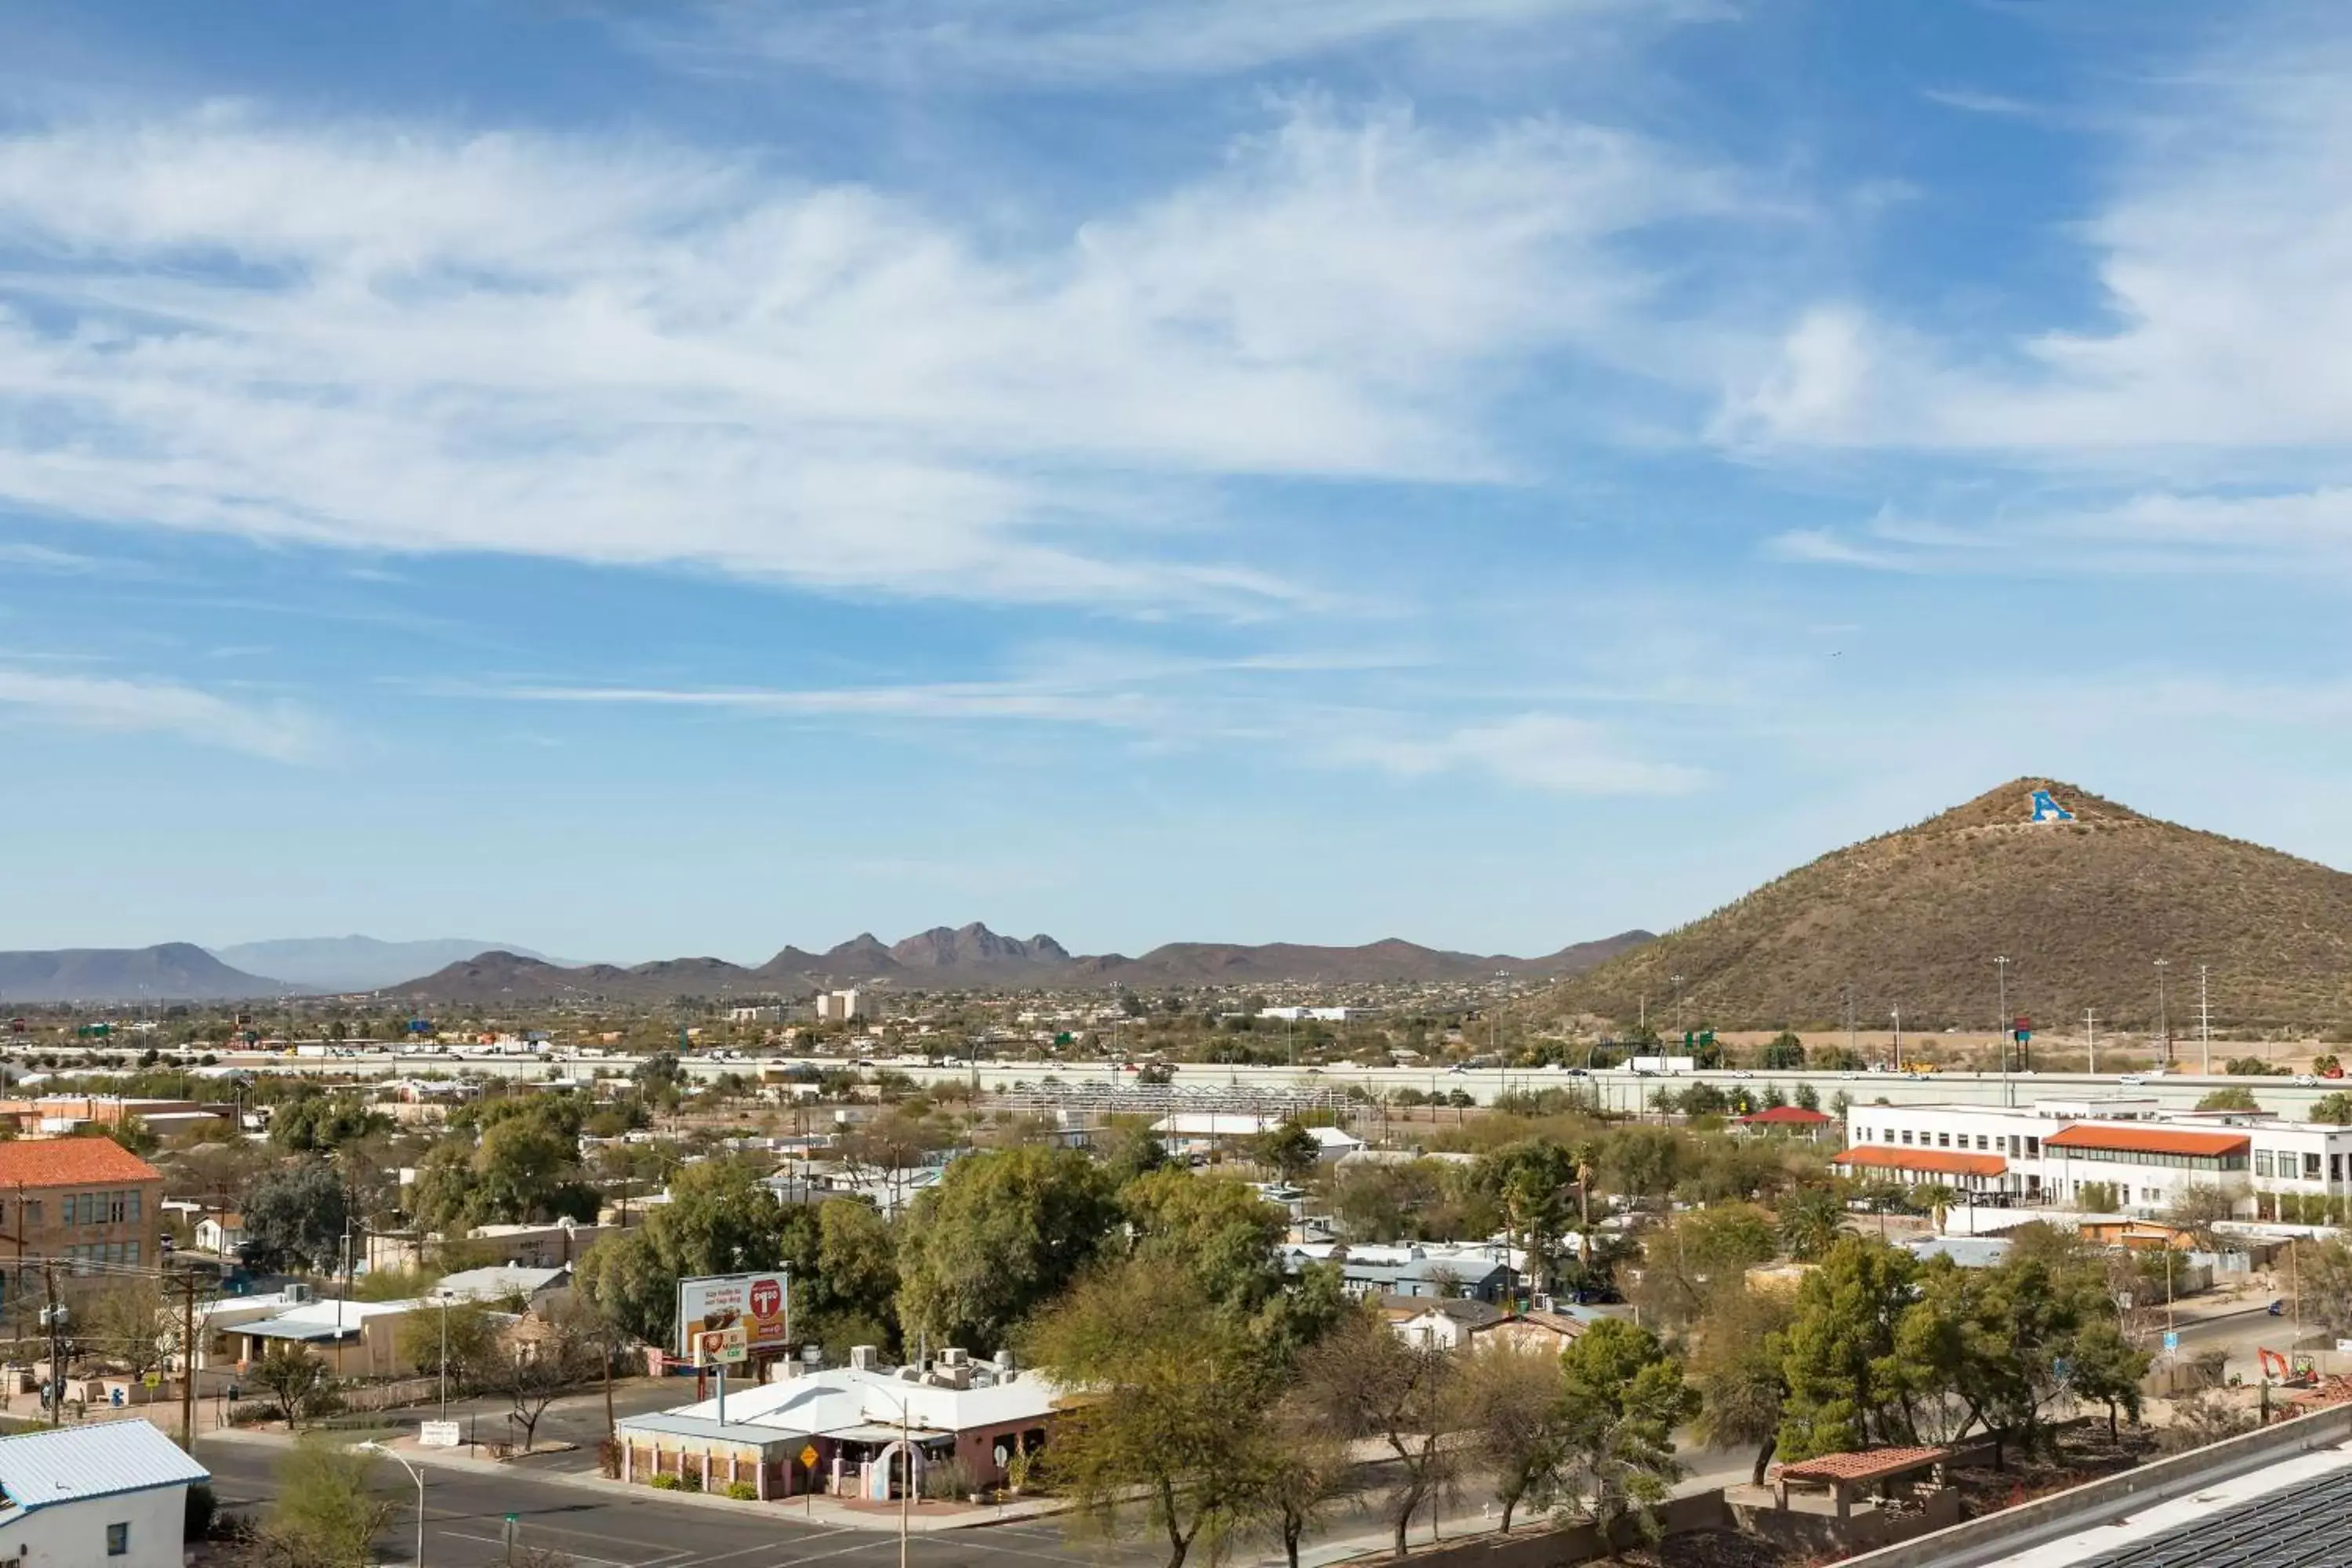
1914	920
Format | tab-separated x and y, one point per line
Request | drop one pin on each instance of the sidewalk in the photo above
837	1512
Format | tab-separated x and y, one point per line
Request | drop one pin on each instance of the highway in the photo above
1616	1089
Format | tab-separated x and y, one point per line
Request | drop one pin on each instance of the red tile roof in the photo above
1937	1162
1788	1116
1865	1465
2147	1140
71	1162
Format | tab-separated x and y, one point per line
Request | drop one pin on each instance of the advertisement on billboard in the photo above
754	1304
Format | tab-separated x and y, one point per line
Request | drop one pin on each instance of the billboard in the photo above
757	1304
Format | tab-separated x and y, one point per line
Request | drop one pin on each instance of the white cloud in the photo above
1077	42
1533	750
2224	255
402	340
279	731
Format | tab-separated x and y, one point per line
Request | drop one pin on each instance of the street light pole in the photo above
2204	1021
2163	1025
2001	967
1678	1001
414	1474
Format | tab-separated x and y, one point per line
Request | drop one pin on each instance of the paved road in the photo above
466	1518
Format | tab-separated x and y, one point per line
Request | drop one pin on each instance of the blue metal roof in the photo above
41	1469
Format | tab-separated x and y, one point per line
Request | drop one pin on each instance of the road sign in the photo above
720	1347
809	1458
2171	1341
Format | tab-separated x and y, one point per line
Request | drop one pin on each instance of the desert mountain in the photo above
973	956
353	962
168	972
2083	906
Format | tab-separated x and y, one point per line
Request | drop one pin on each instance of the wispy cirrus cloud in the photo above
2222	253
397	338
1549	751
1096	42
279	731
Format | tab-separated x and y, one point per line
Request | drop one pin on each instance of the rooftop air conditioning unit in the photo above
864	1358
298	1292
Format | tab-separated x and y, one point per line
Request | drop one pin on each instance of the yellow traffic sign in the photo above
808	1457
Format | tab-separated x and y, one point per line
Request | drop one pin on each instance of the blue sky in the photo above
638	481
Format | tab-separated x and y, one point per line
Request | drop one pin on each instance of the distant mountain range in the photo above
353	962
968	957
973	956
169	972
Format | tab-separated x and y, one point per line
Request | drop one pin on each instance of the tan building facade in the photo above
78	1200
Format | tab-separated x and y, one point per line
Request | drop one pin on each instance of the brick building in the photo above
78	1199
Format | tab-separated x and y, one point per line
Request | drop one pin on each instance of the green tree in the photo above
719	1220
2230	1099
1289	1150
471	1329
1530	1181
1002	1233
1811	1219
1623	1397
2333	1109
295	1217
1214	1226
1783	1052
325	1514
1844	1384
297	1384
1700	1252
1164	1436
1296	1472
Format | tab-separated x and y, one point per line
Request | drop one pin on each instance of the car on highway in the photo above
2306	1081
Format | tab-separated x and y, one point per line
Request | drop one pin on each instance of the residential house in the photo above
221	1233
1481	1271
112	1493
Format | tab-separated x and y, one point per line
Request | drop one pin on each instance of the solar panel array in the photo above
2303	1527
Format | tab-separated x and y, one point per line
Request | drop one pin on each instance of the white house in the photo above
503	1283
220	1233
114	1494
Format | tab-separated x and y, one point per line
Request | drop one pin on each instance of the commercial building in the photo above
2071	1151
983	1414
840	1006
114	1493
79	1200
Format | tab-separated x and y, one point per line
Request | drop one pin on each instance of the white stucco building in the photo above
2050	1151
112	1495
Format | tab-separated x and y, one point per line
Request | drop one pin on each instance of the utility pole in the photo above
1898	1039
53	1318
1850	1051
188	1360
2091	1042
1678	1001
2204	1021
2163	1026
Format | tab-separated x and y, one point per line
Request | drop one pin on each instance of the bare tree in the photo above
1511	1398
535	1364
1366	1382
